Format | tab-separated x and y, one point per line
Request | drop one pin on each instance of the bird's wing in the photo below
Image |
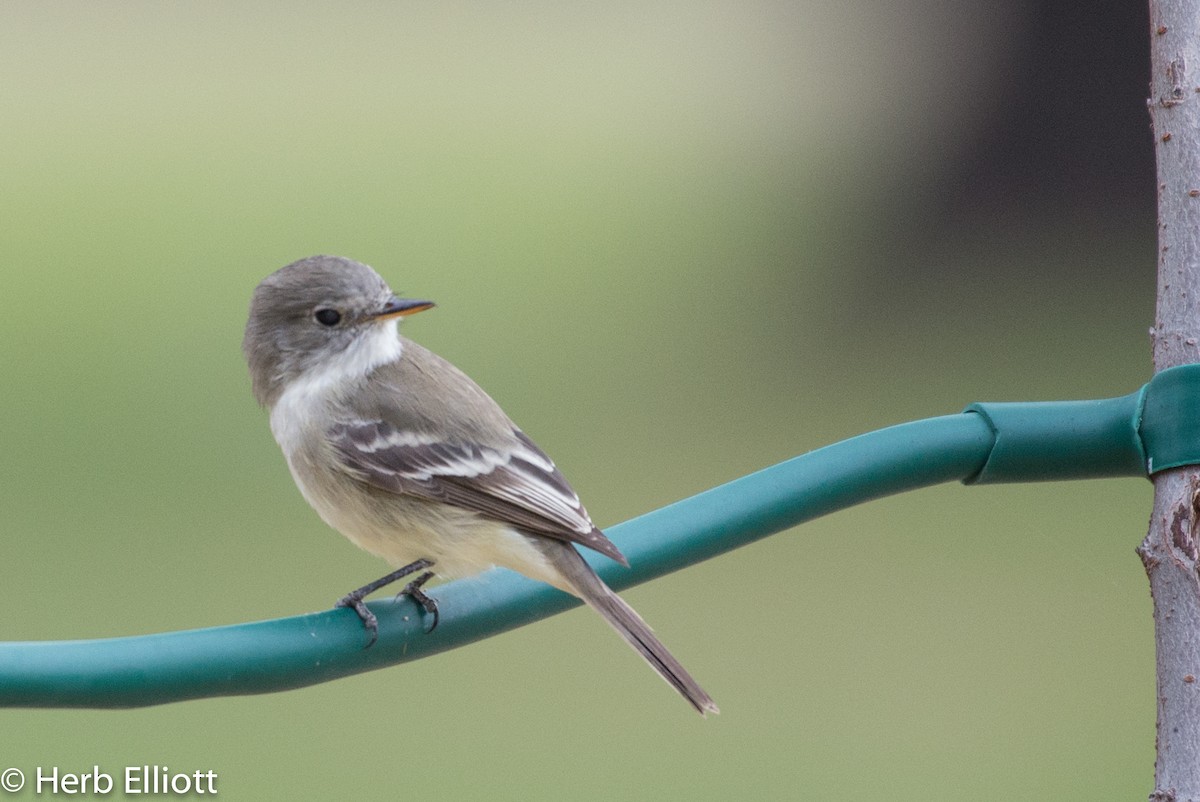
515	483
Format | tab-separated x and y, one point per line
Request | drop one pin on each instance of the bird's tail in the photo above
628	624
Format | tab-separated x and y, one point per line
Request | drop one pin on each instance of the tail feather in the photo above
629	625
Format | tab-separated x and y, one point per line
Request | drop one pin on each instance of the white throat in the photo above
306	397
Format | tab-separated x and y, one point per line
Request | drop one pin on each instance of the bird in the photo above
411	460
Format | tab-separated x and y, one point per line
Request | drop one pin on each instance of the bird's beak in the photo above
401	307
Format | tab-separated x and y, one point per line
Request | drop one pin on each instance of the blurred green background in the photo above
678	242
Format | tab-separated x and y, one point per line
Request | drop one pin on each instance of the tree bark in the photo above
1169	551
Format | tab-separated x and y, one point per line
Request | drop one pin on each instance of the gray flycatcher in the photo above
407	457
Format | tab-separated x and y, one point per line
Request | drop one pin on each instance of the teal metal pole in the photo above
267	656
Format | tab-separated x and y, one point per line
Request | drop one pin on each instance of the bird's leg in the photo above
354	599
413	591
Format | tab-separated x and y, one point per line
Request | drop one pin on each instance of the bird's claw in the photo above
370	622
354	599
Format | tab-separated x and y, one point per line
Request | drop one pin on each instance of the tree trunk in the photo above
1169	551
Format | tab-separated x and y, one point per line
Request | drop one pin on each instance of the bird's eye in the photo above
328	317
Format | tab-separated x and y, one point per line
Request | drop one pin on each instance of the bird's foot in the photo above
354	599
413	590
